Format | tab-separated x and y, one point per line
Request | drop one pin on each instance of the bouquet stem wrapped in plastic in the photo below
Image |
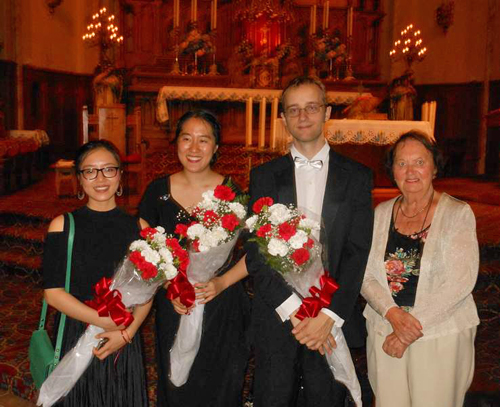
202	267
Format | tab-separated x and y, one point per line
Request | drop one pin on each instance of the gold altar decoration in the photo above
278	10
103	32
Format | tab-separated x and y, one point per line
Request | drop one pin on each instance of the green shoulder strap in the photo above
62	322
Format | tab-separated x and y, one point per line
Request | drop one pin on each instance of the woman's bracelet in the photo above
125	336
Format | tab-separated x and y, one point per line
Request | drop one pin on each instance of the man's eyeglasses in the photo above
309	109
91	173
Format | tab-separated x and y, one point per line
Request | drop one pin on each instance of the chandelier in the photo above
103	32
409	47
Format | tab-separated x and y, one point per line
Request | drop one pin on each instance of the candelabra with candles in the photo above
103	32
409	47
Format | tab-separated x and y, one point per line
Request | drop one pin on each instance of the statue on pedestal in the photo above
108	87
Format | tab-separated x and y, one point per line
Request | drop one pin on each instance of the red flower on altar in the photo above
229	222
300	256
181	229
224	193
264	230
260	203
148	232
286	231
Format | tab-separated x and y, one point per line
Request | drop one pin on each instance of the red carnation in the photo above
264	230
309	244
261	202
149	271
210	217
148	232
196	245
229	222
224	193
300	256
172	243
136	258
286	231
181	229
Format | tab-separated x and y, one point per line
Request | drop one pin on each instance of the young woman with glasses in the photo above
103	232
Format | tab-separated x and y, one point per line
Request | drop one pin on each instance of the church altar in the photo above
249	97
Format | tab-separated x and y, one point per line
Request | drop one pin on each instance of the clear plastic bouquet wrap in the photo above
212	236
285	239
150	263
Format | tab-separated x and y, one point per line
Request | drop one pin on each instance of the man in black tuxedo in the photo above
288	352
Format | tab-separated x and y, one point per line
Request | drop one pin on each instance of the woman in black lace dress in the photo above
216	377
103	232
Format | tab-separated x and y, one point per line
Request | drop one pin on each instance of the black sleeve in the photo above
148	208
355	251
54	260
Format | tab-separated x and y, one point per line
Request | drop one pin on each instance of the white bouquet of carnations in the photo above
285	240
219	218
150	263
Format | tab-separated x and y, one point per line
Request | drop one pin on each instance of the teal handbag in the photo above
43	357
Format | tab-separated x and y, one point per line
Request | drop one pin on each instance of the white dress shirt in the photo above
310	184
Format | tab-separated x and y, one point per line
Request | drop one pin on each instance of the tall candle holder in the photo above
213	68
349	76
175	67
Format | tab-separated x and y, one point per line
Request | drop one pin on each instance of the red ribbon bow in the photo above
182	288
109	302
320	298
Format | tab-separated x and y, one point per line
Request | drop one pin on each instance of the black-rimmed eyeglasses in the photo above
91	173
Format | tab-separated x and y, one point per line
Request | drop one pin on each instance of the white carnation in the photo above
160	229
277	248
169	270
139	245
238	209
166	255
151	255
307	223
251	221
298	239
279	213
196	230
159	239
208	204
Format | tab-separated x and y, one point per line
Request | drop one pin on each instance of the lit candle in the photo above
262	123
248	134
274	120
326	14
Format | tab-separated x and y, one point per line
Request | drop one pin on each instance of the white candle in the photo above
326	12
176	13
262	123
215	14
248	134
274	119
311	18
314	19
350	14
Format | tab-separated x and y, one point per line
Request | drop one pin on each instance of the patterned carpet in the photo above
24	217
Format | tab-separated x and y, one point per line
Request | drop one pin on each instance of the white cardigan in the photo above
448	272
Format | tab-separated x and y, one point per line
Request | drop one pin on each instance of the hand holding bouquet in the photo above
219	218
285	239
150	263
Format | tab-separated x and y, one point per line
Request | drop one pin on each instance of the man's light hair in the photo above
303	80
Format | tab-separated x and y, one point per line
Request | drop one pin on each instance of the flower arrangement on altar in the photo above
196	43
327	46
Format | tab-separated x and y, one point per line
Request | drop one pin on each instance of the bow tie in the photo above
302	162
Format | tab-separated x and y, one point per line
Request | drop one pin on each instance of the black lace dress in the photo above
216	377
101	242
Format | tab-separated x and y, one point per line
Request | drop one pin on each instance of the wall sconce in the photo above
445	14
52	4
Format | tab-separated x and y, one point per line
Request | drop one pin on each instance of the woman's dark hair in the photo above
424	140
87	148
208	118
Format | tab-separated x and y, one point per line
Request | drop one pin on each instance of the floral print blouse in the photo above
402	264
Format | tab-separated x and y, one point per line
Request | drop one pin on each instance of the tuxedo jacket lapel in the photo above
284	179
336	184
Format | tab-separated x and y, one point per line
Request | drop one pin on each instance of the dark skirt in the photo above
106	383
